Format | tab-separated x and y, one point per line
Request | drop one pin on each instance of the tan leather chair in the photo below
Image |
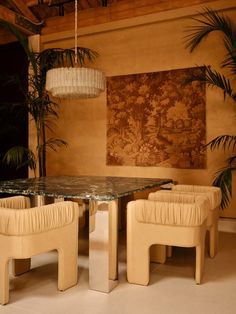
16	202
31	231
169	222
214	195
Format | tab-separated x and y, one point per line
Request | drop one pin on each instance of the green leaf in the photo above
55	143
19	156
210	21
230	59
223	180
58	57
213	79
224	141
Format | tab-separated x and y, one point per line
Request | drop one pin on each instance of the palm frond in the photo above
230	60
58	57
54	143
210	21
19	156
232	162
224	141
86	54
213	79
223	180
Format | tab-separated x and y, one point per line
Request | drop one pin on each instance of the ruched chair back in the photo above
214	196
15	202
166	221
25	232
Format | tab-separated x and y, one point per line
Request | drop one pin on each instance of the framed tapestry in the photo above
153	119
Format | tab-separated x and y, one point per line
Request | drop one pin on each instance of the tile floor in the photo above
172	289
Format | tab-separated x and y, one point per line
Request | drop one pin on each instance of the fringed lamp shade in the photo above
75	82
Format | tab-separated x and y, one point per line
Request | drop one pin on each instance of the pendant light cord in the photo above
76	27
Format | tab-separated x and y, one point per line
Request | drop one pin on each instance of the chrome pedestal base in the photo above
103	261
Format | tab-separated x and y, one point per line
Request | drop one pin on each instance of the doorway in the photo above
13	115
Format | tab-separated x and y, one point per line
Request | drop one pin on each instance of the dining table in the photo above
103	194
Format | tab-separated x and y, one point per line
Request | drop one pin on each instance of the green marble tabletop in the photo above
83	187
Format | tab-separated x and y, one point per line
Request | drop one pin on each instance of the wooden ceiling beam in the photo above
84	4
94	3
19	21
22	8
32	3
118	10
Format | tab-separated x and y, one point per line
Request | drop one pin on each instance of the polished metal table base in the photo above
103	228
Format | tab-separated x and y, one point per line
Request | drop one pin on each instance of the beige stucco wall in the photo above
144	44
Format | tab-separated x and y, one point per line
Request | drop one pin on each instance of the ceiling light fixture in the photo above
75	82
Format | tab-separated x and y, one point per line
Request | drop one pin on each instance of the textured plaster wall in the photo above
146	47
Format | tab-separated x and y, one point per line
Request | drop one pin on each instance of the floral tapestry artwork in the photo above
153	119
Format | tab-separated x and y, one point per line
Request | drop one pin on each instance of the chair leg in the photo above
213	234
138	264
4	281
158	253
200	258
67	266
169	250
20	266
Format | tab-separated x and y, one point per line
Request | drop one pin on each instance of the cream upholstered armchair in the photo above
31	231
17	202
179	222
214	195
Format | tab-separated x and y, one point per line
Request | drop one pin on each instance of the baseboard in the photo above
227	225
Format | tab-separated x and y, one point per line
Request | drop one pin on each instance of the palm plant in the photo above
37	100
211	21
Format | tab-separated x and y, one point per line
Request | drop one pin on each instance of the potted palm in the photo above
40	106
208	22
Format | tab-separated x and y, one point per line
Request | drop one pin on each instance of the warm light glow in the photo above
75	82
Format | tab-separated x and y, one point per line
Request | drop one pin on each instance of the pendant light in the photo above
75	82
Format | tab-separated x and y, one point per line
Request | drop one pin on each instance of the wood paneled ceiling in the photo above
44	9
31	15
50	16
